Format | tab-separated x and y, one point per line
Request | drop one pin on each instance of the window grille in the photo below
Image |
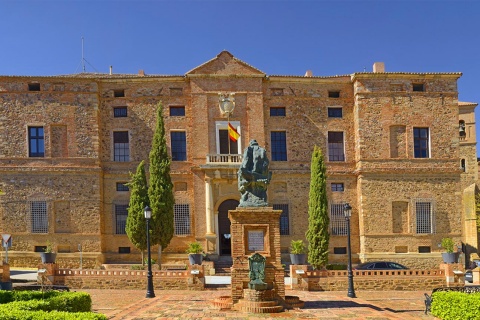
121	146
179	145
121	214
338	223
181	213
38	216
335	146
279	145
284	218
425	216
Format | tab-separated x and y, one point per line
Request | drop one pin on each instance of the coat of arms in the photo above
226	102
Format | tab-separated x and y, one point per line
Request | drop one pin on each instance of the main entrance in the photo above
225	242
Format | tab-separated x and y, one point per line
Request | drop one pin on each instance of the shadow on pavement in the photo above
338	304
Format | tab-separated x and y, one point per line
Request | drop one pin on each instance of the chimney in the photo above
141	73
309	73
111	70
378	67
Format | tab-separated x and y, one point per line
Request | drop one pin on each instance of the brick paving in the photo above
374	305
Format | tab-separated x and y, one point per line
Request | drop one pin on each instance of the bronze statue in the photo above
253	176
256	265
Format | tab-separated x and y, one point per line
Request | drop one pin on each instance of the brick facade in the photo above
373	160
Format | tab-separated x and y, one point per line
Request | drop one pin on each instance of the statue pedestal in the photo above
256	230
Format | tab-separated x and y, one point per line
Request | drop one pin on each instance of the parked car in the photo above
469	276
380	265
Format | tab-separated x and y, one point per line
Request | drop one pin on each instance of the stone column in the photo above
209	207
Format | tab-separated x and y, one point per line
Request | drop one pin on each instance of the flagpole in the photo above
228	133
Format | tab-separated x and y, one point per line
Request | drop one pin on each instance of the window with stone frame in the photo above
335	112
337	187
421	143
121	146
336	150
38	216
277	112
36	142
424	216
177	111
284	218
279	145
338	223
121	214
181	217
178	141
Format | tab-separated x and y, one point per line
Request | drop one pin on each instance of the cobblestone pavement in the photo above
374	305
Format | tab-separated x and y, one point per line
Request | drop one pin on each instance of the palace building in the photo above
399	148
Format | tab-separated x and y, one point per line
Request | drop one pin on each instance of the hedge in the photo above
46	305
448	305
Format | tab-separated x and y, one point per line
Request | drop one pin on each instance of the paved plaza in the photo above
378	305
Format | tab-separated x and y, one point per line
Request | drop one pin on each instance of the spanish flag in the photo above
232	133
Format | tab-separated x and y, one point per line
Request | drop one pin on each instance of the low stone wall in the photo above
325	280
191	279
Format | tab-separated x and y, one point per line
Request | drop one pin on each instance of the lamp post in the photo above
347	211
148	215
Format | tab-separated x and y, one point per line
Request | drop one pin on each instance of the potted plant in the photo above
195	253
48	256
297	252
449	256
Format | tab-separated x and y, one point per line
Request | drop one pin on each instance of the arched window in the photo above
461	128
463	165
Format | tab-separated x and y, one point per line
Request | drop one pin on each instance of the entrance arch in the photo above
225	241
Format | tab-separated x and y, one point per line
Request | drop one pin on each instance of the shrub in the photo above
456	305
194	247
297	247
447	244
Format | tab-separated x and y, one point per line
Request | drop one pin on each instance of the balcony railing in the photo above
224	158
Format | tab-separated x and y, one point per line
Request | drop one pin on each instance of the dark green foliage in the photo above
47	305
160	190
136	224
456	305
318	219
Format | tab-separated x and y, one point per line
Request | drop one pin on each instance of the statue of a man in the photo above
253	176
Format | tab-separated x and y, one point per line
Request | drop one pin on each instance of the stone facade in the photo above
403	205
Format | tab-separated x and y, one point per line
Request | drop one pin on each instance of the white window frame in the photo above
223	125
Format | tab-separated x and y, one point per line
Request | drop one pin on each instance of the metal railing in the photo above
224	158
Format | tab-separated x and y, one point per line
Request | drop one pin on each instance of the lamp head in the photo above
148	212
347	210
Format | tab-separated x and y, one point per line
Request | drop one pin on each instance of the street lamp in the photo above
347	211
148	215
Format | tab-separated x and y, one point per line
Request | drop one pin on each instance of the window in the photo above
225	141
418	87
334	94
284	218
463	165
424	216
277	112
178	145
424	249
340	250
181	214
335	146
121	214
39	216
34	87
461	128
177	111
338	223
337	187
119	93
279	145
123	249
121	146
119	112
121	186
335	112
36	142
421	143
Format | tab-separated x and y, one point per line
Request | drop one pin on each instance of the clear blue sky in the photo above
277	37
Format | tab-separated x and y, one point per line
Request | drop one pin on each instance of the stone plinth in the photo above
247	226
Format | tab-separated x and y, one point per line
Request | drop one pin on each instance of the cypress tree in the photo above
160	190
318	219
136	223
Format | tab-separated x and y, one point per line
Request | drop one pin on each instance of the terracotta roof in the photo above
463	103
218	55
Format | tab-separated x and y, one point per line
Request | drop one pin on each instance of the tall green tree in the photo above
136	223
160	190
318	219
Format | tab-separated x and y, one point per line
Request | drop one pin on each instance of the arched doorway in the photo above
225	242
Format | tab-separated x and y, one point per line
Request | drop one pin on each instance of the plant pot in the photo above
195	258
450	257
298	258
48	257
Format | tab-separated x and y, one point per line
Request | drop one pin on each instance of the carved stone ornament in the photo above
226	103
256	265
